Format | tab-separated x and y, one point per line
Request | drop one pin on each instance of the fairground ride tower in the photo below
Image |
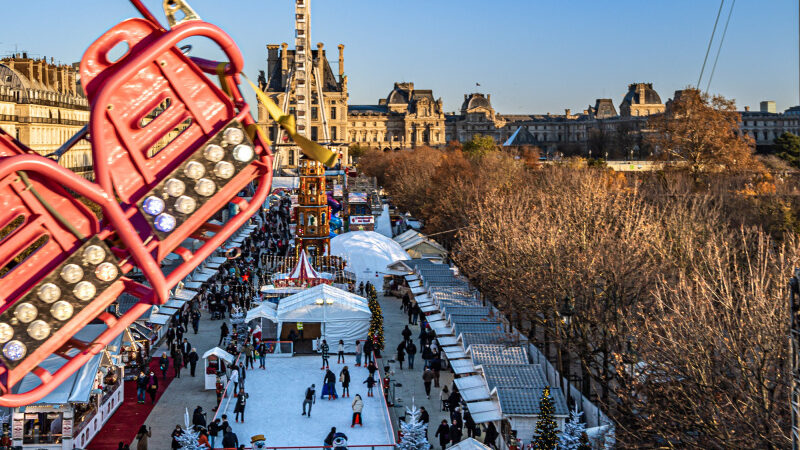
313	230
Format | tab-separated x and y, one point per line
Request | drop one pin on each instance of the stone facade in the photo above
406	118
42	106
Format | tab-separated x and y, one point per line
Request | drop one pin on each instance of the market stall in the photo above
216	360
74	412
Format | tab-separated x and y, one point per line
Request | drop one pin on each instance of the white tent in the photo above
368	254
341	314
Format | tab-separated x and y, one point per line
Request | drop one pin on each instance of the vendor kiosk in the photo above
213	367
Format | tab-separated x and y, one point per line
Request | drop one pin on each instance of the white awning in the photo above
411	277
462	366
435	317
192	285
414	283
203	275
447	340
454	352
484	411
184	294
423	298
418	290
158	319
441	328
472	388
267	310
174	303
426	308
167	311
220	353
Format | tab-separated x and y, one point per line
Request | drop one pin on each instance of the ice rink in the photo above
275	403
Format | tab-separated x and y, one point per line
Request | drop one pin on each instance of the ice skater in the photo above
310	399
325	353
358	406
344	378
340	354
329	385
370	382
241	401
359	352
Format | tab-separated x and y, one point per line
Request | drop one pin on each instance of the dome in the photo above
641	94
367	253
401	94
475	100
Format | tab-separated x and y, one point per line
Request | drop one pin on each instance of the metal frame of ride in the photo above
150	202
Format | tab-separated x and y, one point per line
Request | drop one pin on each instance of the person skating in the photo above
411	350
325	349
368	349
340	353
248	355
213	431
262	355
141	437
359	352
427	379
310	399
229	439
401	353
235	380
344	378
141	387
455	433
152	386
358	406
242	374
220	389
372	368
370	382
329	382
443	433
193	358
238	410
328	442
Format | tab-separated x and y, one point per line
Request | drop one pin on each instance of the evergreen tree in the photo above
189	440
376	321
414	432
546	434
570	439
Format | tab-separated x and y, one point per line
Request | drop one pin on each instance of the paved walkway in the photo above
412	389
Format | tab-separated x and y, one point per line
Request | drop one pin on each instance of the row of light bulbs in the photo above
83	289
205	187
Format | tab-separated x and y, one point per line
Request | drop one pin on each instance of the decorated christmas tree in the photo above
189	439
546	434
414	431
376	321
573	430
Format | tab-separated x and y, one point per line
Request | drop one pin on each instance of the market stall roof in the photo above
483	311
271	289
441	328
414	283
192	284
454	352
410	278
174	303
472	388
469	444
219	353
462	366
434	317
267	310
426	308
484	411
423	298
339	304
483	327
78	386
184	294
497	337
167	311
497	354
418	290
514	375
215	261
447	340
525	401
158	319
203	275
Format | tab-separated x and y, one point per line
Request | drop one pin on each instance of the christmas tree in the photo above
414	431
546	434
189	439
376	321
573	430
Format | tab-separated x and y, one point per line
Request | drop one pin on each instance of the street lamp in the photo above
566	313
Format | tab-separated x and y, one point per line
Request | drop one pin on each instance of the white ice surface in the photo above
275	405
383	224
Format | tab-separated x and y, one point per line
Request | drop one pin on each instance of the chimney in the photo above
341	62
489	97
585	112
284	64
320	60
746	109
566	112
272	58
641	90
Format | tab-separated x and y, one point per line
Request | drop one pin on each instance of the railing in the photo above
225	396
277	349
53	120
364	446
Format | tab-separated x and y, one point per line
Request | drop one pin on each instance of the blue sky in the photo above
532	56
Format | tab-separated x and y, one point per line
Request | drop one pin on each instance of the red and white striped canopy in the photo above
303	270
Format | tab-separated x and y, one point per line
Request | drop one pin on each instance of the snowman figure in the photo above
259	441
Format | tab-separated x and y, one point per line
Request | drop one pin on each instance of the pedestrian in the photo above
340	354
177	363
344	378
223	332
328	442
427	355
370	382
416	314
186	347
425	418
242	374
453	400
455	415
170	336
202	439
213	431
193	358
179	333
325	349
241	401
141	437
368	348
411	350
163	364
406	333
329	385
141	387
178	431
358	406
405	303
248	355
229	439
436	365
152	386
195	321
444	394
410	313
261	351
199	417
309	399
455	433
401	354
469	423
359	352
443	432
427	379
235	380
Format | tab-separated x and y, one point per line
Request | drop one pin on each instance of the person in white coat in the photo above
235	380
358	406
